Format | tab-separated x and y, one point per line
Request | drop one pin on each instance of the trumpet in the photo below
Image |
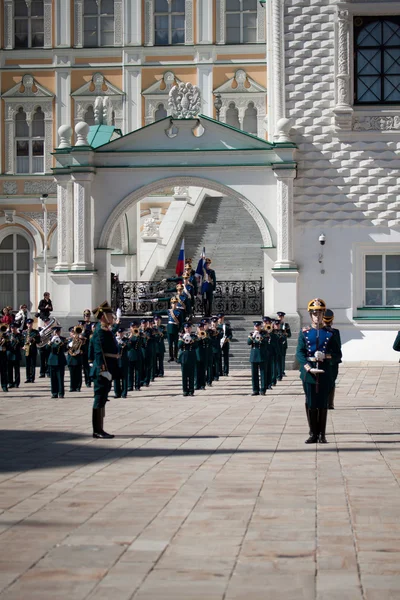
202	334
268	328
135	332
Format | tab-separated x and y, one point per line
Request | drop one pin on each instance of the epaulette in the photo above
306	328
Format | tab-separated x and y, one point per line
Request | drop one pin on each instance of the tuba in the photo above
46	334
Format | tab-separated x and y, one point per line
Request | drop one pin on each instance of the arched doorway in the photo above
15	270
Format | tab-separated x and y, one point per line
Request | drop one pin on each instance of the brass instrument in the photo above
187	338
46	334
256	336
3	330
135	332
268	327
75	345
202	334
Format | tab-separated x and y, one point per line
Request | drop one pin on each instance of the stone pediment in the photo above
162	87
241	83
28	87
97	86
186	135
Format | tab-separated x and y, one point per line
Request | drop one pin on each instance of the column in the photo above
276	52
83	222
343	110
284	224
133	99
205	83
65	223
133	20
205	22
63	24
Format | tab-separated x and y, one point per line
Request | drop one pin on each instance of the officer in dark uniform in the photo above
15	343
192	280
187	358
134	357
208	287
105	365
44	352
173	327
274	351
286	333
257	342
121	378
227	335
75	346
215	343
87	325
328	321
3	357
31	340
56	362
209	353
316	349
269	351
281	346
159	333
188	290
202	351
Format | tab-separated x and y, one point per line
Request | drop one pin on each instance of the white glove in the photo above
314	371
119	313
319	355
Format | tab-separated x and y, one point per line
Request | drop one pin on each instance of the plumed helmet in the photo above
316	304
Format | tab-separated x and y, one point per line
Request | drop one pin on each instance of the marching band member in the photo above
56	362
134	357
148	350
208	287
121	378
105	364
316	349
173	327
187	358
21	317
279	341
285	328
3	357
269	351
188	290
15	343
87	332
215	342
159	331
75	345
227	335
209	353
202	353
192	280
44	351
256	340
31	340
328	320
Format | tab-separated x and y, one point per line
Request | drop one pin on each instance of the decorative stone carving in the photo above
151	229
343	110
184	101
89	94
9	216
102	111
261	22
149	23
48	23
118	19
81	131
40	187
157	94
377	123
65	134
284	244
283	128
220	21
39	218
9	187
278	67
181	192
65	223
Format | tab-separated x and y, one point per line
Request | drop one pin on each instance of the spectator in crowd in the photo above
21	317
45	307
7	317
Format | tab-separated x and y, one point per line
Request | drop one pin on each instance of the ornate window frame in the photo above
242	90
221	23
149	23
86	96
157	94
9	39
78	23
30	98
350	117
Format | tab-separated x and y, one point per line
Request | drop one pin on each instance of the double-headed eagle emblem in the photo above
184	101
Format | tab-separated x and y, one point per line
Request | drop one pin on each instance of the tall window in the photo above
169	22
29	141
241	21
29	24
382	280
15	267
377	60
98	23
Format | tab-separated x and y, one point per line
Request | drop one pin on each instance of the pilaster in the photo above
63	24
83	222
205	25
149	22
133	98
205	83
284	224
78	23
220	22
8	24
189	22
118	23
48	23
276	62
65	223
133	20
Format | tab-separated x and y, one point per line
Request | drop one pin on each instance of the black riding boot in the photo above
104	433
331	399
322	416
313	414
308	419
96	422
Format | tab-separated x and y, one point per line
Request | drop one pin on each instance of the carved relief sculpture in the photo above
184	101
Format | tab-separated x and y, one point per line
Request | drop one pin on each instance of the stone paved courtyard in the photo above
213	497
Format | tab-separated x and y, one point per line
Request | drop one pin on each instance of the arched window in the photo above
29	24
241	21
160	113
250	119
377	60
169	22
15	268
232	116
98	23
89	116
29	140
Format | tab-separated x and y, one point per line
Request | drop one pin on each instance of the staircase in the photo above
231	239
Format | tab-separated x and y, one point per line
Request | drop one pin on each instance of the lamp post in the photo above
217	104
43	199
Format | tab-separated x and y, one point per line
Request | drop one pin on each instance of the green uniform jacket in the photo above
57	354
258	352
187	352
203	349
103	341
135	348
33	336
15	343
215	342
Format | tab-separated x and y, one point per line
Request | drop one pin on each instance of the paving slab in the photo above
214	496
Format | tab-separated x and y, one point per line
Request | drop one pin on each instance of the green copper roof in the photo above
102	134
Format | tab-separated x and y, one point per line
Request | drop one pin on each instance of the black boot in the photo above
331	399
104	434
308	419
313	414
322	416
96	422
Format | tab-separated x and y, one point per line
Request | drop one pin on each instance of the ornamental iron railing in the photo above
230	297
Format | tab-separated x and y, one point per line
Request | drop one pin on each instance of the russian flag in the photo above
180	265
199	270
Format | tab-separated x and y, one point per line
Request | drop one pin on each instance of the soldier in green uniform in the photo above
187	358
208	287
202	351
285	331
215	342
3	357
56	361
105	364
134	357
268	350
328	321
148	353
15	343
75	346
121	378
173	327
316	349
209	353
31	340
159	333
274	353
87	332
256	340
227	335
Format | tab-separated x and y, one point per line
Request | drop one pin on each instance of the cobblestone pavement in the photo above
214	496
